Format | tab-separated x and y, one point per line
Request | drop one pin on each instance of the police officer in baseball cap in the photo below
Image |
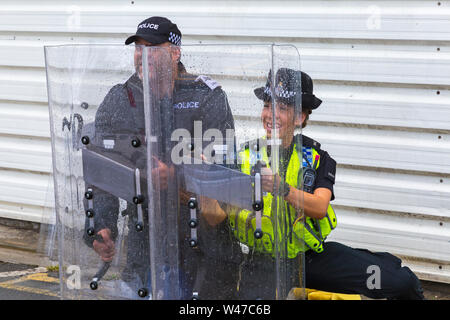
191	98
156	30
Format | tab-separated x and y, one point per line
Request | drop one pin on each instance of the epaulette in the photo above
308	142
190	81
212	84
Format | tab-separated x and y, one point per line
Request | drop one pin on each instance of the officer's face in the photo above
162	58
285	121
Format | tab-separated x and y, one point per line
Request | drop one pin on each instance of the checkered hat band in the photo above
175	39
284	93
280	92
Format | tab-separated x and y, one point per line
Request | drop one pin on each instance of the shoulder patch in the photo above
307	141
212	84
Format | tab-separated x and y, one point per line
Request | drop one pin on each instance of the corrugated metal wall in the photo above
381	67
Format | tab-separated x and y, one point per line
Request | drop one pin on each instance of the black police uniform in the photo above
122	112
339	268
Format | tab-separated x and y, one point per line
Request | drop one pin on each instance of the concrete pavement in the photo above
25	273
25	282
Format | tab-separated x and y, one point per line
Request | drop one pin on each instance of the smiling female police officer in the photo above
329	266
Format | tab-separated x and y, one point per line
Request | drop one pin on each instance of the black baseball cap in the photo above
290	86
157	30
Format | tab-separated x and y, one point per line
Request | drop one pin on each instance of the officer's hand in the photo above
268	181
211	211
105	249
207	205
162	173
185	196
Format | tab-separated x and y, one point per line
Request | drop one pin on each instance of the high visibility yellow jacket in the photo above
294	233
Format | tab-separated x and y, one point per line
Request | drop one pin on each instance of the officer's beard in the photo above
160	78
138	68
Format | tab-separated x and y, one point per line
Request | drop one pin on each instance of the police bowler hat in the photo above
157	30
290	85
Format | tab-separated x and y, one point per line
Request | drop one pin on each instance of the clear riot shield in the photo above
239	238
163	170
103	103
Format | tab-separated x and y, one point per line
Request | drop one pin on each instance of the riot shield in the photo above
238	230
167	183
102	104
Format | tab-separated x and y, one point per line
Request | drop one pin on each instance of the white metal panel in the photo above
21	53
389	106
423	195
22	84
38	153
429	270
369	64
347	103
24	119
390	149
25	212
25	187
381	67
416	20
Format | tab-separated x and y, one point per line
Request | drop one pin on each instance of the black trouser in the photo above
338	268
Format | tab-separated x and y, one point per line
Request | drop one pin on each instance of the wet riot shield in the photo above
110	122
239	238
170	172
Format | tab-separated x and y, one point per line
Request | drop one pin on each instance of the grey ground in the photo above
26	274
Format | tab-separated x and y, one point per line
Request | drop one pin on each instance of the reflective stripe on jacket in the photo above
294	234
